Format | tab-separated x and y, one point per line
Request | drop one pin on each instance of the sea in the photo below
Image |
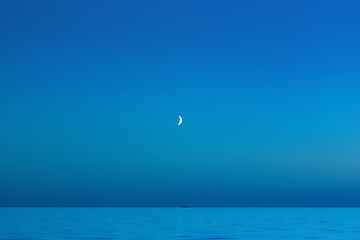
179	223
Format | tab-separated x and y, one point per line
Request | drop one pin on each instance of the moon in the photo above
180	120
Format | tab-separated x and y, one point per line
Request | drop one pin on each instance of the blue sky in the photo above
91	91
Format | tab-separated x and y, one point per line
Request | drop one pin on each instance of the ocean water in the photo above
179	223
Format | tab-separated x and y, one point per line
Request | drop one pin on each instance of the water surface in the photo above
179	223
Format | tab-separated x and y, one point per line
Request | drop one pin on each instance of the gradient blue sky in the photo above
90	93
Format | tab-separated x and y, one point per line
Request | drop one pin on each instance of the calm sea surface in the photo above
179	223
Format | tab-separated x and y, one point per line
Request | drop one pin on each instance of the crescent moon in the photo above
180	120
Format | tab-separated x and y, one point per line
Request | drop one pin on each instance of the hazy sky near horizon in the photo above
91	91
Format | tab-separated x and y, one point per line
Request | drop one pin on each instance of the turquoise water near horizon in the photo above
179	223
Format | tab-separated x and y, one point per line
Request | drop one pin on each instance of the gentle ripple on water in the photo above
179	223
